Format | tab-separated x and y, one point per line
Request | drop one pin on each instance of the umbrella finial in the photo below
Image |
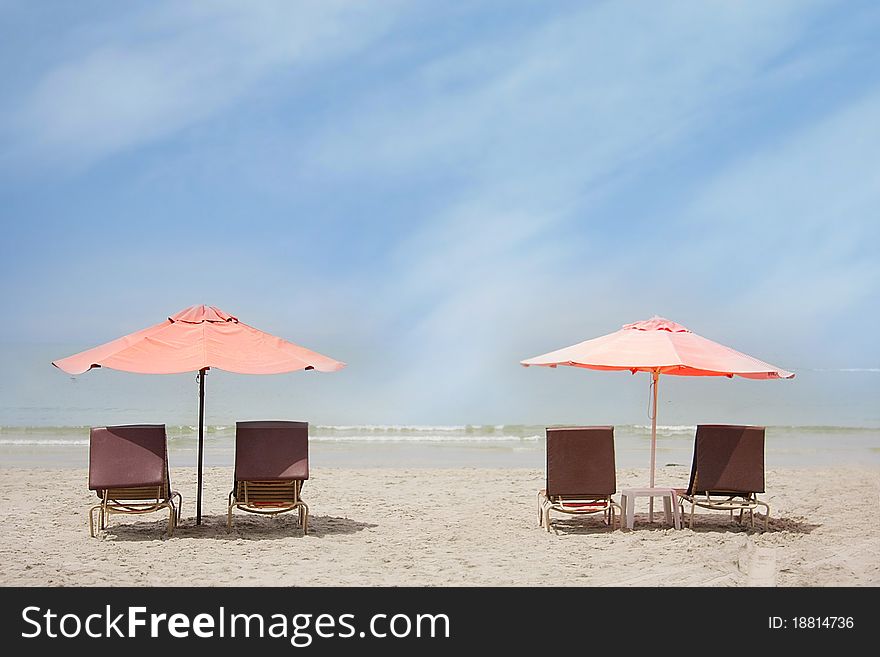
202	313
657	323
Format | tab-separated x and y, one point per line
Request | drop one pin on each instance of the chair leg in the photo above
304	511
179	507
616	514
92	531
171	514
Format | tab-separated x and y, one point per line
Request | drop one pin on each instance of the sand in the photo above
440	527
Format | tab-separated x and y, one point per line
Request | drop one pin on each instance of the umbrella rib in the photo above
677	355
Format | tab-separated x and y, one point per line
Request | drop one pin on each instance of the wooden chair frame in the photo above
136	501
269	498
725	501
577	506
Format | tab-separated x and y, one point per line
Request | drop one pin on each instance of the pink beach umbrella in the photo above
659	346
197	339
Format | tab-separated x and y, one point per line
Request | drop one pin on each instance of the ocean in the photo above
515	445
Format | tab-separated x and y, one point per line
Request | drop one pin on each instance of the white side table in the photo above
628	503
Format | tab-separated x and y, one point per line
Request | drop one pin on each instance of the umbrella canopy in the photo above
659	346
197	339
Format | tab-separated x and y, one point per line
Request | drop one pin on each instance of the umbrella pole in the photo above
201	442
655	378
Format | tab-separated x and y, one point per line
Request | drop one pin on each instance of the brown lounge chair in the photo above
128	469
271	464
581	475
727	471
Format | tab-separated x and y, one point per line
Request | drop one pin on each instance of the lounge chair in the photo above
271	464
727	471
580	473
128	469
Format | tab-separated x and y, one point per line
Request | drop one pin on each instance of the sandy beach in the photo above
440	527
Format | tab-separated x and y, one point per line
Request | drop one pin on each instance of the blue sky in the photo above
433	191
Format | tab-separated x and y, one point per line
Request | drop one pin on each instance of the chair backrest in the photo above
271	450
127	456
727	459
580	462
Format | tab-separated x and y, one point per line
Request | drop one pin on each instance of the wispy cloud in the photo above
581	87
151	73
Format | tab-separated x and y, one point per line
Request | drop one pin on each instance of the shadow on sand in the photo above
722	522
578	526
703	523
247	528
